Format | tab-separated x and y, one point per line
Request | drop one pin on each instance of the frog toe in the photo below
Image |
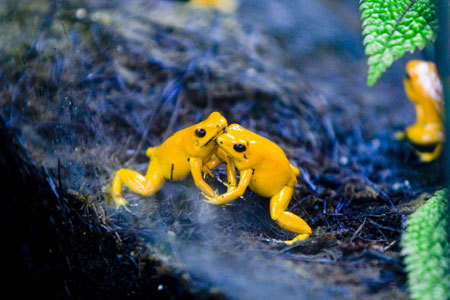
300	237
119	201
400	135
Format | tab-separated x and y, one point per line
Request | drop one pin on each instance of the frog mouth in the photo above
213	138
227	152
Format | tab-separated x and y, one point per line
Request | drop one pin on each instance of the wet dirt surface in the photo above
91	85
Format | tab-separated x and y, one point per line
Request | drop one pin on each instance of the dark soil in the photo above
89	85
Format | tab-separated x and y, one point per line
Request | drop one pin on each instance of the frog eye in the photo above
200	132
406	76
239	148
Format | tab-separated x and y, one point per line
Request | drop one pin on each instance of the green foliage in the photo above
426	245
392	27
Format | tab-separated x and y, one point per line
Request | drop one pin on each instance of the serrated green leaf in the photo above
392	27
426	246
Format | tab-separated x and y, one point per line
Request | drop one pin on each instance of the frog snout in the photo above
219	140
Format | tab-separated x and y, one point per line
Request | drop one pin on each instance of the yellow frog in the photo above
424	89
187	151
226	6
263	167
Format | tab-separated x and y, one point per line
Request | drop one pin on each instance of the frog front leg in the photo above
231	175
231	171
196	165
215	161
287	220
210	165
145	185
233	194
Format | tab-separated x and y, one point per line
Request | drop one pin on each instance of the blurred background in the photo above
87	86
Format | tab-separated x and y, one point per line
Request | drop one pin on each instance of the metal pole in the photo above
443	65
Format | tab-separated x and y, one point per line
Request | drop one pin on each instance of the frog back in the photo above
172	159
272	170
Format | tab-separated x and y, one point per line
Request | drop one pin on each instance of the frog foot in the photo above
209	199
300	237
119	200
229	186
430	156
217	199
400	135
207	172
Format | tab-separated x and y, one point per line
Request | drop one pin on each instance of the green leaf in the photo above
426	246
392	27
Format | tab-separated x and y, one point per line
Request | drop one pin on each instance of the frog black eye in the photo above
200	132
406	75
239	148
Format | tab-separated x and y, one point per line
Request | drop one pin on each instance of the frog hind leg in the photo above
145	185
287	220
430	156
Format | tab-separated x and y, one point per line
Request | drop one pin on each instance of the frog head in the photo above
201	137
422	82
242	146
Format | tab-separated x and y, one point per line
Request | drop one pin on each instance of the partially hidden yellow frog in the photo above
263	167
226	6
424	89
191	150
